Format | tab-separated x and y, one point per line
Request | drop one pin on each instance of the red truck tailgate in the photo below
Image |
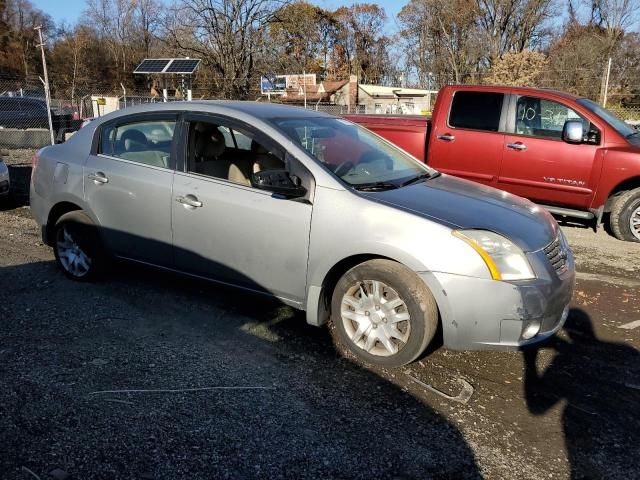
407	130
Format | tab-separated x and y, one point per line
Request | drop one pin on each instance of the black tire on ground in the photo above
418	300
80	228
622	210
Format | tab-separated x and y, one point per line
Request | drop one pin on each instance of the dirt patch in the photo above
599	252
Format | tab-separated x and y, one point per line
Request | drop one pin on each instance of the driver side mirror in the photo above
573	131
278	181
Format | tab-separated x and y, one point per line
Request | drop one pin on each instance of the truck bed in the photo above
408	130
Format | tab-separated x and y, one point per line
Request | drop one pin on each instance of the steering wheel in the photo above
347	166
371	156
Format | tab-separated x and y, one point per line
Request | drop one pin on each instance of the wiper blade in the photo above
375	186
632	134
422	176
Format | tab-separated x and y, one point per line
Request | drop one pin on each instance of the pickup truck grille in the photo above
557	254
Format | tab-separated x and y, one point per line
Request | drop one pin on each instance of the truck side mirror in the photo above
573	131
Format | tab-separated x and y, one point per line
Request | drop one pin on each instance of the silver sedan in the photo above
314	210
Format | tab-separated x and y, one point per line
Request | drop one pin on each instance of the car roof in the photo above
262	110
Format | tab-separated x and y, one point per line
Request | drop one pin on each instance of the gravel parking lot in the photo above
148	375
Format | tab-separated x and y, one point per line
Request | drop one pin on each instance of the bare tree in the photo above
362	44
443	39
114	20
147	23
226	34
611	17
512	25
614	16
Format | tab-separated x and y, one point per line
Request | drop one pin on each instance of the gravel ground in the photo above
147	375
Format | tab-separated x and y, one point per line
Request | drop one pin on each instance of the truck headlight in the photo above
504	259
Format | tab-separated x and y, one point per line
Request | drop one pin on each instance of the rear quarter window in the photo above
476	110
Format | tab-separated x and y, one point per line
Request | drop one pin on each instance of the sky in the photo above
70	10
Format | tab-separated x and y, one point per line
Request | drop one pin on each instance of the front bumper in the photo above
483	314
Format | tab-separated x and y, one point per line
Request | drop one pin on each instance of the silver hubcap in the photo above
375	318
634	223
73	259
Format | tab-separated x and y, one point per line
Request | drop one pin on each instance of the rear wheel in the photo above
77	247
624	219
383	314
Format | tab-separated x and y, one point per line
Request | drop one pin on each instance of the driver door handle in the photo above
189	201
98	178
447	137
517	146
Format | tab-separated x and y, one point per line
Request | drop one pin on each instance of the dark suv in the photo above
29	112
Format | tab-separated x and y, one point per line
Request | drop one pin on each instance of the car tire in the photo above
383	314
624	218
77	247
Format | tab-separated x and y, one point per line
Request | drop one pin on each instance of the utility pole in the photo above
47	93
606	85
304	86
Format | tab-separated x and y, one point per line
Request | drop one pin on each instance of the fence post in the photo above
46	84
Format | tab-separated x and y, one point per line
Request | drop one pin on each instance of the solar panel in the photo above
184	66
152	66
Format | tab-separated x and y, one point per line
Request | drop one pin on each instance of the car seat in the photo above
209	146
263	159
134	146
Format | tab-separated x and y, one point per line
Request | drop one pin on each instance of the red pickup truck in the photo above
561	151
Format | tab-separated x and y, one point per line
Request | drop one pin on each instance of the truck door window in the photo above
476	110
539	117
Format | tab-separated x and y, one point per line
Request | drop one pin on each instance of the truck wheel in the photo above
77	247
382	314
624	219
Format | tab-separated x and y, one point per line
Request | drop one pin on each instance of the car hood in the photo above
461	204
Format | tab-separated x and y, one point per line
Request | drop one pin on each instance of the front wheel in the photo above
383	314
77	247
624	219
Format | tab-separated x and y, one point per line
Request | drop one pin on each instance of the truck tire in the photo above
382	313
77	247
624	219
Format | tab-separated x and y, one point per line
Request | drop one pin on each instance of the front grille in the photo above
557	254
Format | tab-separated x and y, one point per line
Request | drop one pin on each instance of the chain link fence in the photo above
24	122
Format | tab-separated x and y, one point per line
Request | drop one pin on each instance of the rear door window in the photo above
147	142
476	111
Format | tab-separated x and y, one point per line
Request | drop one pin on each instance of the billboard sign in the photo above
278	84
273	84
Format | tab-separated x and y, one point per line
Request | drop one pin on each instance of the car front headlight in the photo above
505	260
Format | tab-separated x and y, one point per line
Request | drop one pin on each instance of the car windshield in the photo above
354	154
620	126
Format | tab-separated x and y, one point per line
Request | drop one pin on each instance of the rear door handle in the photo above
516	146
189	201
447	137
98	178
